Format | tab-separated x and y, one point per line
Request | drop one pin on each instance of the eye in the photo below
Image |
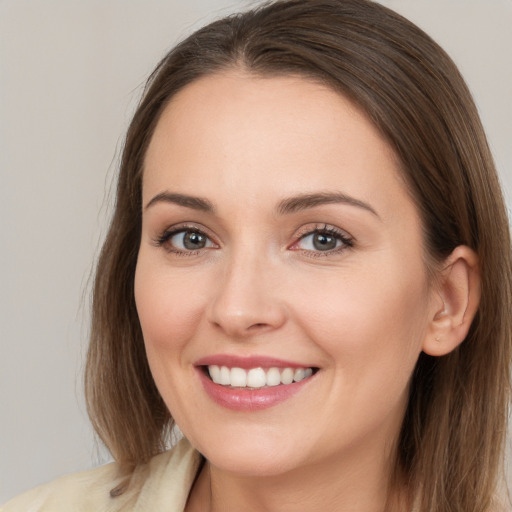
320	242
185	240
324	239
190	240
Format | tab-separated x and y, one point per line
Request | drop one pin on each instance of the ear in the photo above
456	297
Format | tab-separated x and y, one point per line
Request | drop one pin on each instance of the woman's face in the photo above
279	242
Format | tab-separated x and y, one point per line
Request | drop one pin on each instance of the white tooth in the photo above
273	377
225	378
309	372
256	378
299	374
287	376
238	377
214	372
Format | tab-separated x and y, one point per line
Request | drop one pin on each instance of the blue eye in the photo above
185	240
325	240
320	242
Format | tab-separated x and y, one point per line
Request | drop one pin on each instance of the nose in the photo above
247	300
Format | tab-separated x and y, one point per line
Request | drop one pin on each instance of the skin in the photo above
359	313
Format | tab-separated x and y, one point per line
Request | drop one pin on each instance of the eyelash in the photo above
167	235
347	242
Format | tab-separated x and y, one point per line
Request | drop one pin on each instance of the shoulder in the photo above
165	479
88	487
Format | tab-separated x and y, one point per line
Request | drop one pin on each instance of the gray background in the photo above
70	77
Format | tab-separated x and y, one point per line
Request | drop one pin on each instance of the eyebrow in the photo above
305	201
195	203
285	207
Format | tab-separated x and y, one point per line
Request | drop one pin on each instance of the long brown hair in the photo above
452	440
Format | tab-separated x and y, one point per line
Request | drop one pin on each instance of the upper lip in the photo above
248	362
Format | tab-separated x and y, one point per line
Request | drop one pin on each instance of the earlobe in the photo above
456	301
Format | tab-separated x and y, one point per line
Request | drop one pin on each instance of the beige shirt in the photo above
163	484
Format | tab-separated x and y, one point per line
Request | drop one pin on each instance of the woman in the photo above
308	270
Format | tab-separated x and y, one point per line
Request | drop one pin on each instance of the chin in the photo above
250	464
254	458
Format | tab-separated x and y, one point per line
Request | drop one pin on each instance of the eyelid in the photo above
311	229
321	227
347	241
165	235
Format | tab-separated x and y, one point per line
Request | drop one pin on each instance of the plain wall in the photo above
70	77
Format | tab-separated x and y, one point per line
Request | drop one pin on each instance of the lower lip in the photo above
247	399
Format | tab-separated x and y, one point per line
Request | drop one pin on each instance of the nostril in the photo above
258	325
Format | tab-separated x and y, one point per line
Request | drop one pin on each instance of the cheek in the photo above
368	318
169	309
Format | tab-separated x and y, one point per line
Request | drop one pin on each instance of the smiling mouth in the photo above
256	378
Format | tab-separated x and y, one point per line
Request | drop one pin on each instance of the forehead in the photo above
251	135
